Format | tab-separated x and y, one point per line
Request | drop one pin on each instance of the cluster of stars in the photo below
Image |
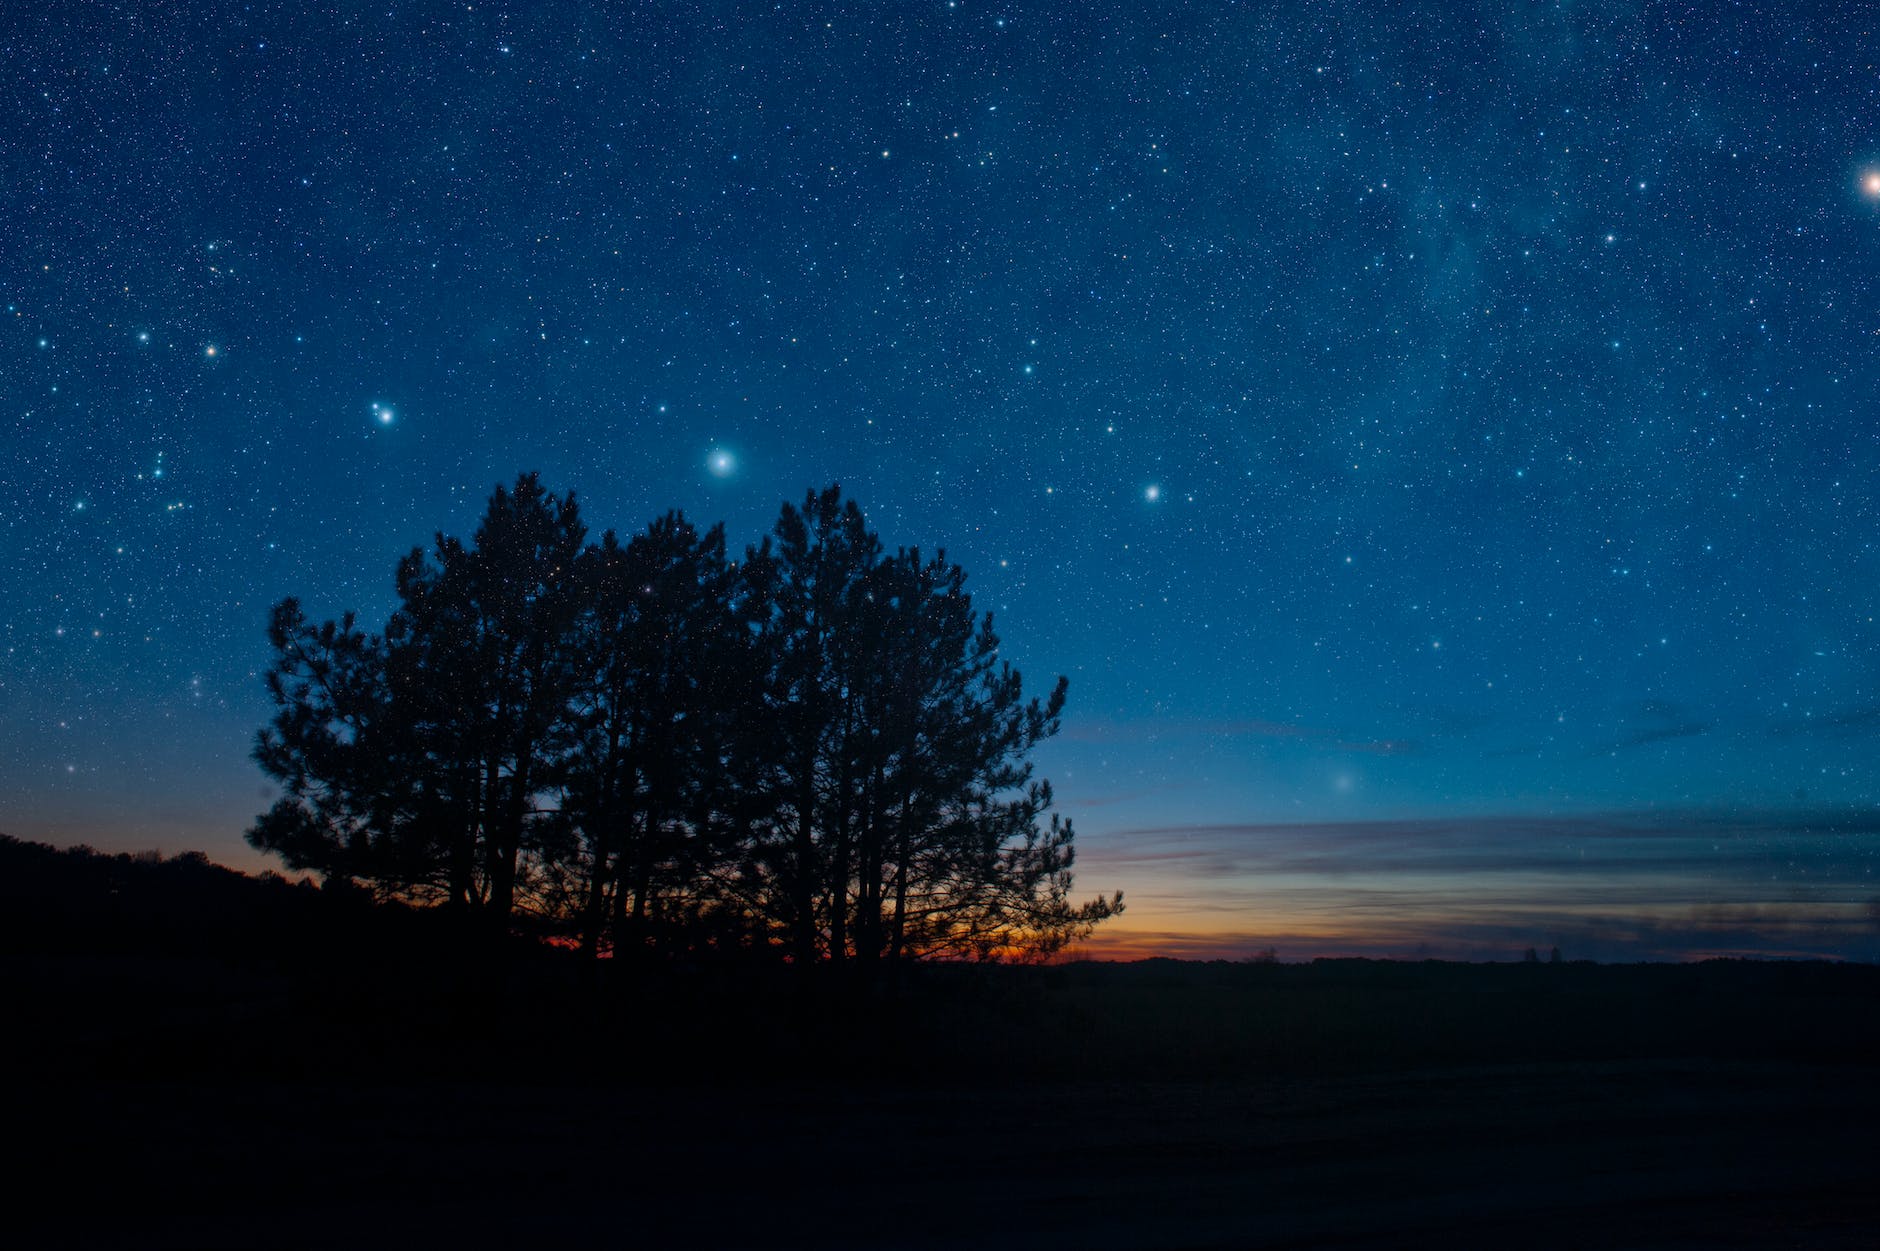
1274	371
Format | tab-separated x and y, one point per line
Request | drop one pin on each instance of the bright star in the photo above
209	351
384	413
1870	184
1152	493
721	463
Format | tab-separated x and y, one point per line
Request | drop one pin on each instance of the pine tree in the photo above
905	821
480	661
816	752
955	861
418	758
327	746
660	653
813	581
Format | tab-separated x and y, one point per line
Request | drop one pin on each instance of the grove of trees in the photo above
812	752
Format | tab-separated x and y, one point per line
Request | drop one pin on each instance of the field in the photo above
297	1075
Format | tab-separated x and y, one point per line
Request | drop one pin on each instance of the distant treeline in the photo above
813	752
143	965
78	901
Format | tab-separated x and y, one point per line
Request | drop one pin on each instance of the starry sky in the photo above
1437	441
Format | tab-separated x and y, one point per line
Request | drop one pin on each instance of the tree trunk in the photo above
504	843
868	905
643	878
897	935
841	834
803	883
622	858
594	913
462	870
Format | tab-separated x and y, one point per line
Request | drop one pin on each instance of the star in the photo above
1310	413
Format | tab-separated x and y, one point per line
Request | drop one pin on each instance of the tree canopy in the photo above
814	752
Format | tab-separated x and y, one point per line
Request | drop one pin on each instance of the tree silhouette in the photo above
905	823
952	857
817	752
661	650
812	584
415	759
327	747
480	663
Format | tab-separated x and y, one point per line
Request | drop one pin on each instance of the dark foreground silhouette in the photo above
653	749
205	1059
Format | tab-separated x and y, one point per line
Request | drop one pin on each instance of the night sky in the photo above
1439	443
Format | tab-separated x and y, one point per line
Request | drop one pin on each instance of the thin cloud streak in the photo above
1609	886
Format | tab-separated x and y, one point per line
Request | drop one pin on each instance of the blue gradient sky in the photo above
1450	413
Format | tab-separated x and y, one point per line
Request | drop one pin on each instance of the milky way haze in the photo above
1379	413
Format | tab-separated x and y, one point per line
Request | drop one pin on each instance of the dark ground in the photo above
260	1065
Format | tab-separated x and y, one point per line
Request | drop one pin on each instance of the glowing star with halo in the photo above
1152	492
1870	184
721	462
384	414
